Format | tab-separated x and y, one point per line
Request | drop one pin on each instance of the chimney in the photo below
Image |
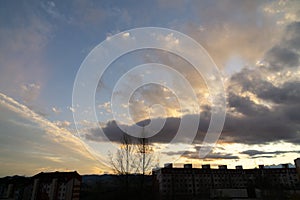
222	166
188	166
239	167
168	165
206	166
260	166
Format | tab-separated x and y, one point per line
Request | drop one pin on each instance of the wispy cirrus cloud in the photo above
31	137
23	69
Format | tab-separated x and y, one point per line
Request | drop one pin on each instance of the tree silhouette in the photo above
124	161
134	156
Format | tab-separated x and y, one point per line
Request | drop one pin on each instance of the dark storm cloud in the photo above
280	57
260	129
288	93
252	81
280	124
256	152
286	53
245	106
292	37
264	156
258	125
195	155
114	133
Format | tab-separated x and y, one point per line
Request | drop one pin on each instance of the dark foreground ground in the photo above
111	187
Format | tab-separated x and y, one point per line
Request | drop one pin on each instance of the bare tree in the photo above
124	161
145	159
145	156
133	157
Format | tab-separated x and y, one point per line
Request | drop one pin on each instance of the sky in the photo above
254	44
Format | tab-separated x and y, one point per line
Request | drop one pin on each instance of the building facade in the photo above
56	186
43	186
181	183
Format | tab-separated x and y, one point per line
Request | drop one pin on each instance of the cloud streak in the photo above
33	138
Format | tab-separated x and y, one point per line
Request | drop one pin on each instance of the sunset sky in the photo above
255	45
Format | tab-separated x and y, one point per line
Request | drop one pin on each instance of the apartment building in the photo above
206	182
56	186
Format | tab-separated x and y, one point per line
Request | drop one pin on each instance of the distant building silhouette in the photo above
15	187
56	186
205	182
43	186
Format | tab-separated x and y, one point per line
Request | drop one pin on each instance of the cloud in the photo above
255	101
254	82
213	156
235	28
245	106
50	128
22	71
195	155
30	92
51	9
105	106
113	132
92	15
285	11
255	127
30	142
280	57
267	97
259	112
56	110
258	153
225	36
262	100
71	109
62	124
288	93
291	38
286	53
